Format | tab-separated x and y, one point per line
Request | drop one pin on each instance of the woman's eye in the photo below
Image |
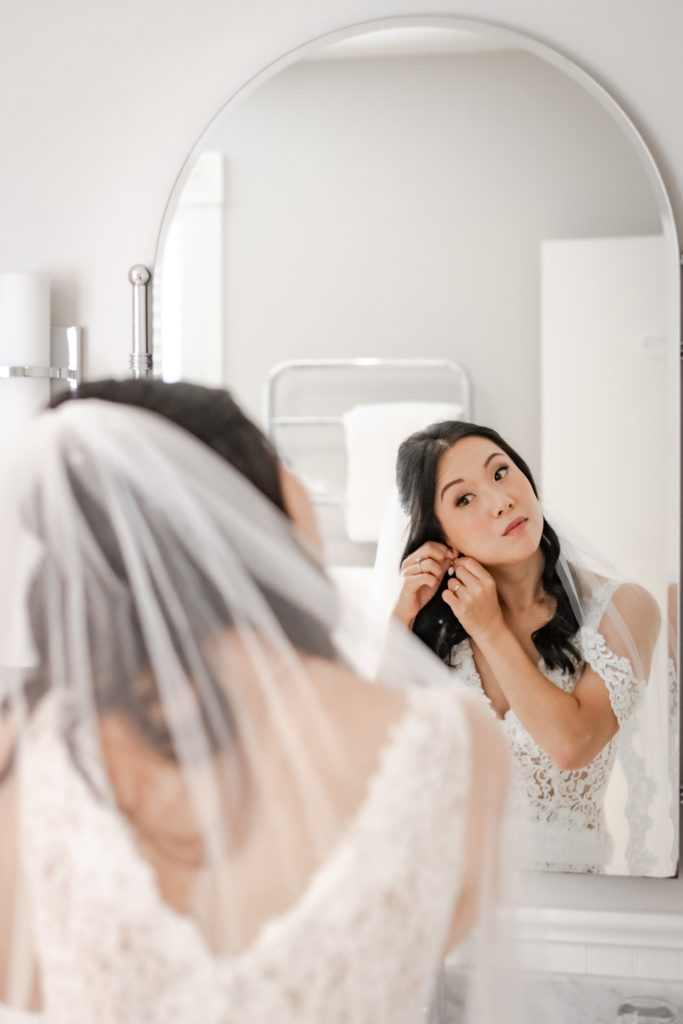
500	473
463	500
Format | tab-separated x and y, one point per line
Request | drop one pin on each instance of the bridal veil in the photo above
209	812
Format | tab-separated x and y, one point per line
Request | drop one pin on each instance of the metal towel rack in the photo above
273	419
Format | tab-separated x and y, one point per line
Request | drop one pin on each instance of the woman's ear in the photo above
299	507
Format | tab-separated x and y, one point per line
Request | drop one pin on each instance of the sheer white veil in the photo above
184	722
641	800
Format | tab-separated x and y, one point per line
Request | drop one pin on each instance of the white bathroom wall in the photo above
387	207
101	102
602	312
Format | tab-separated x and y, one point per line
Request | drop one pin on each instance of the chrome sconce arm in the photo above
141	362
65	366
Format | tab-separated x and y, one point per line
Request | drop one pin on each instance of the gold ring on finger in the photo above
456	588
419	565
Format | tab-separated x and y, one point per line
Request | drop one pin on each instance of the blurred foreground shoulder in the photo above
490	764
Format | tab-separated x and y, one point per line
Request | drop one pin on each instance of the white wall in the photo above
100	103
397	207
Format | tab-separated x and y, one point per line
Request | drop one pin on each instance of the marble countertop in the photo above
565	998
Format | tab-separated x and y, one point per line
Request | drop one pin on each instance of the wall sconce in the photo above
37	361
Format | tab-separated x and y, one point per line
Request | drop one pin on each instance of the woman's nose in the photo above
503	504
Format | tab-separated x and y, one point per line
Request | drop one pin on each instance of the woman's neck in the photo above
520	586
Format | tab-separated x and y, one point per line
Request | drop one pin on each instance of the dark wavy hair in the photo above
211	414
214	418
416	473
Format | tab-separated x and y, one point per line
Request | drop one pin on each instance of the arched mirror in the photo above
455	203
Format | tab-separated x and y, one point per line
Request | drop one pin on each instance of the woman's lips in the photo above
516	526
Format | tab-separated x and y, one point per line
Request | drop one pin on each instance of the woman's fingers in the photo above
422	567
469	578
472	596
455	591
435	549
421	561
466	566
431	558
422	572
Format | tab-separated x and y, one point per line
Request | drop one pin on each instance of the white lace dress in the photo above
558	817
360	946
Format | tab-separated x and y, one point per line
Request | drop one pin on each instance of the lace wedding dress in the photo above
360	945
559	816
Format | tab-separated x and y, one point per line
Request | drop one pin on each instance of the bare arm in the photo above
488	793
572	728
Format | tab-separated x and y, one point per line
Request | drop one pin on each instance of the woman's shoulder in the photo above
383	702
634	599
433	723
634	611
630	600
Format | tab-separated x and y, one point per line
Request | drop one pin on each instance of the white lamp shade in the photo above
24	341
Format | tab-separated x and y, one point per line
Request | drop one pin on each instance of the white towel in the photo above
373	435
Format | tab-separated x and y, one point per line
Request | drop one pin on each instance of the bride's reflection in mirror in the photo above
561	650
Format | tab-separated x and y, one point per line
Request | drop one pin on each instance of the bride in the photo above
207	812
559	653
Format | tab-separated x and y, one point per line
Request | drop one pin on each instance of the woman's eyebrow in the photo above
451	483
492	456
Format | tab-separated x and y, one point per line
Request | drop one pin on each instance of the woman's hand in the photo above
473	598
422	573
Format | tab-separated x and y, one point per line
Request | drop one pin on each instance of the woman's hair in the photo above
211	414
117	645
416	473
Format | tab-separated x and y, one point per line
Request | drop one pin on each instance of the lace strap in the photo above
624	688
641	792
599	603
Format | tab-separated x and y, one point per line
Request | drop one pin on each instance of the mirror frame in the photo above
555	906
